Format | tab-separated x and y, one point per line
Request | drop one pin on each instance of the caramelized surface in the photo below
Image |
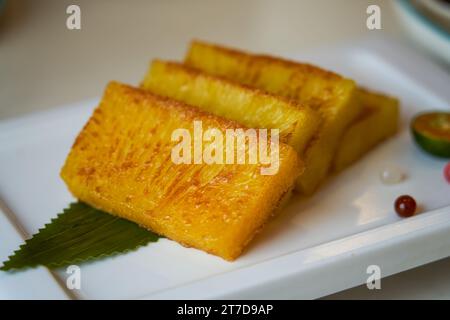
121	163
378	122
333	96
251	107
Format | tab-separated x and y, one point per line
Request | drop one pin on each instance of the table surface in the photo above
43	64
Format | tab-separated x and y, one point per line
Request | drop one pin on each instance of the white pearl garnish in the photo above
391	175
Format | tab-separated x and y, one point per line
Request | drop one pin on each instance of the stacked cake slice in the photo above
124	161
337	100
121	163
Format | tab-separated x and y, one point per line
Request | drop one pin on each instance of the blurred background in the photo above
43	64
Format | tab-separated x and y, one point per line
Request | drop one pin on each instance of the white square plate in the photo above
316	247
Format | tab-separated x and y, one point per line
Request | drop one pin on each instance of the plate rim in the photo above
392	52
439	220
366	245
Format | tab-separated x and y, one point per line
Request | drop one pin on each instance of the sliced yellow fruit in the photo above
250	107
378	121
333	96
121	163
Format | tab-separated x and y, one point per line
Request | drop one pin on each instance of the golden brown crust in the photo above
191	112
378	121
333	96
252	107
121	163
257	58
255	91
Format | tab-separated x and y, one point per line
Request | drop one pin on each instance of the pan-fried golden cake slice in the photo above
378	122
250	107
122	163
332	95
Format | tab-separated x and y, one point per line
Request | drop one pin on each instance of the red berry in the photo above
447	172
405	206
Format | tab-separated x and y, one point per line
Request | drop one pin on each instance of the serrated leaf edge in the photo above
4	267
75	261
28	240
